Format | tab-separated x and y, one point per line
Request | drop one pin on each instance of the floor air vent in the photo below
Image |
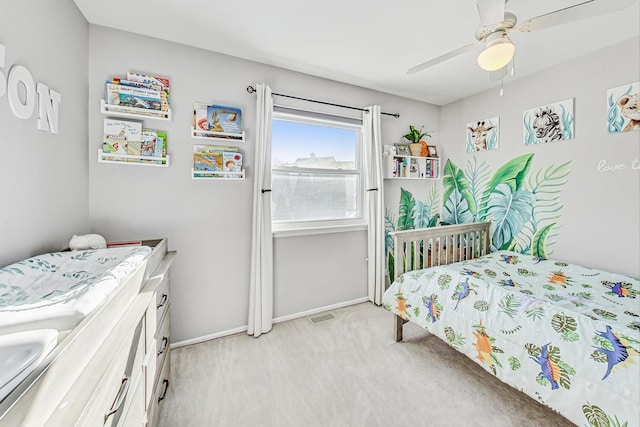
321	318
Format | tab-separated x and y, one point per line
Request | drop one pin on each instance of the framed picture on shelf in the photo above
402	150
414	169
433	151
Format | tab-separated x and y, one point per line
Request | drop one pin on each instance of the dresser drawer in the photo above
115	390
136	414
156	352
163	341
162	298
159	393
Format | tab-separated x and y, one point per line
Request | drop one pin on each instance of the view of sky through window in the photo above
292	141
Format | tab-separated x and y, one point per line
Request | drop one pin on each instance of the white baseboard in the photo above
320	310
281	319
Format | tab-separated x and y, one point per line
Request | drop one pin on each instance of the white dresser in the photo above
113	368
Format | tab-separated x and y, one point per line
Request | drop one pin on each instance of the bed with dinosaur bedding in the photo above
568	336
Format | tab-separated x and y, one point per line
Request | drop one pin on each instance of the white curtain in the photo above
261	284
374	203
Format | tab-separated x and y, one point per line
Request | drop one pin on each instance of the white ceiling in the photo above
368	43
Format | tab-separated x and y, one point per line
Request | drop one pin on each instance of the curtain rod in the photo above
250	89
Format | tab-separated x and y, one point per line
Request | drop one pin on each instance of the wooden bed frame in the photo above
427	247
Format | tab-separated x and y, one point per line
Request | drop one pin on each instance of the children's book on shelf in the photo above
150	80
209	158
112	93
154	144
232	161
140	97
224	119
200	120
138	90
118	134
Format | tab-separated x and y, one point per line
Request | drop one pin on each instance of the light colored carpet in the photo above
343	372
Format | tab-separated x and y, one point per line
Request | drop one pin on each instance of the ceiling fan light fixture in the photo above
498	53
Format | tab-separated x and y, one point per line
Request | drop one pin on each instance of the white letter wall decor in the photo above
20	75
48	102
21	89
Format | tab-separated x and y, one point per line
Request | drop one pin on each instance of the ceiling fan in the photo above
496	24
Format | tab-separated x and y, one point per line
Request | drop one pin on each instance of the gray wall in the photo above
44	177
601	220
209	222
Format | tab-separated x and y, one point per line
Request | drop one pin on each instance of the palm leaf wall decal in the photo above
512	174
456	210
407	202
455	180
509	211
478	176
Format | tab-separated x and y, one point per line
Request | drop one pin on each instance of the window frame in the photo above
285	228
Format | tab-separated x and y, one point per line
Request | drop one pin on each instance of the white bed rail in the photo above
433	246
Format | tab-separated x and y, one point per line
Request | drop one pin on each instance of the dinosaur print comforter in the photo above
568	336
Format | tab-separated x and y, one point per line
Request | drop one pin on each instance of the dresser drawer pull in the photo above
165	382
163	301
165	342
122	394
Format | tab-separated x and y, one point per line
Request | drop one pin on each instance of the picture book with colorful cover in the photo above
224	119
210	162
232	161
200	120
117	134
112	93
139	97
154	143
154	80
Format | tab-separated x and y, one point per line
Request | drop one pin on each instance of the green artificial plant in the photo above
416	135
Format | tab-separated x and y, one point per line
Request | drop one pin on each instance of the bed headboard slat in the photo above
426	247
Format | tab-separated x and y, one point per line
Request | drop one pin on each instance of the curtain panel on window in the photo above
374	203
261	283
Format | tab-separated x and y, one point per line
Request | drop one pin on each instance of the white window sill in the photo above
326	229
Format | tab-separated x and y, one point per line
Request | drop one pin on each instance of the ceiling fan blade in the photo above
442	58
490	11
584	10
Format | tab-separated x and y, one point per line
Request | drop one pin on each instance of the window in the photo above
316	171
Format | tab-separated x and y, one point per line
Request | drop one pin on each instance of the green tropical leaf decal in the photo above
449	333
478	175
605	314
454	179
596	417
514	363
456	210
599	356
535	313
391	267
444	280
561	323
511	173
509	212
570	336
539	244
481	305
407	202
533	350
509	305
421	214
389	227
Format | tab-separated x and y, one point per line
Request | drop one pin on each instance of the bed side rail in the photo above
433	246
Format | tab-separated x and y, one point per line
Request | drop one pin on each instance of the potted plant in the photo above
418	147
